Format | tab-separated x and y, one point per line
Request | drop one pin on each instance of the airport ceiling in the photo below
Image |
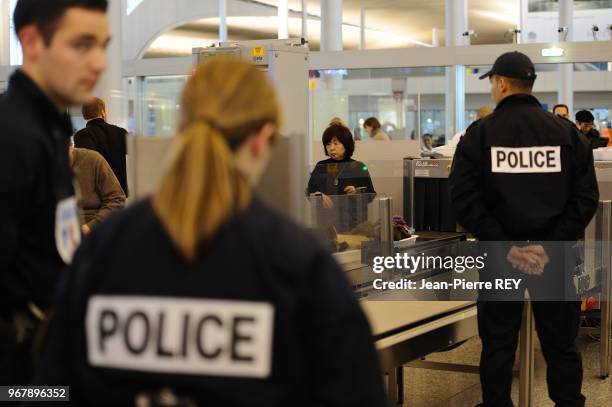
390	23
416	18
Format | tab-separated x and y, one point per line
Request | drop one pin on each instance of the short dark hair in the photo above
427	135
557	106
45	14
344	136
372	122
584	116
93	109
521	84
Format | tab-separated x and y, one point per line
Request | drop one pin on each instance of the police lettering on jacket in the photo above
177	335
543	159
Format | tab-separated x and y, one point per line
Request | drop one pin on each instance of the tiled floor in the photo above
429	388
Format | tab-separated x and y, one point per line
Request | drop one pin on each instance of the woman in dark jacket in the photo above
341	175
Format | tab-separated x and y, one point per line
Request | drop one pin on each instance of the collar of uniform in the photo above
23	84
518	99
96	121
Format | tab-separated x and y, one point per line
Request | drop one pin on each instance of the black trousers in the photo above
557	325
16	357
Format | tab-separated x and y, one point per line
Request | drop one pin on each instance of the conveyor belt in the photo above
408	330
390	317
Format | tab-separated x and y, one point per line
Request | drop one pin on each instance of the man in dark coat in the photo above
106	139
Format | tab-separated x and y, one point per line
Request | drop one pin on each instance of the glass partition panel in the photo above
478	92
345	220
408	102
160	101
592	86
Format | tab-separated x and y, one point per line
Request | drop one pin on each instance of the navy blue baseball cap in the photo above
512	65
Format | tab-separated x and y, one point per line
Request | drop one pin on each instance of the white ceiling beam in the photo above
447	56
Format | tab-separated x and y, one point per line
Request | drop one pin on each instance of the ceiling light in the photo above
553	52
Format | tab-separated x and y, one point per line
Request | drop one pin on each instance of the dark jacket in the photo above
316	348
108	140
595	139
346	172
502	191
330	177
34	176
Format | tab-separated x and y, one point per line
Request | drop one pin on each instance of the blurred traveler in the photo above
427	149
585	122
561	110
372	127
99	191
448	150
106	139
337	120
483	111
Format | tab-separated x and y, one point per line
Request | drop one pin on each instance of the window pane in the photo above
15	54
160	102
406	101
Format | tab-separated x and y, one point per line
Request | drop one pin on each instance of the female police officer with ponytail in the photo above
204	291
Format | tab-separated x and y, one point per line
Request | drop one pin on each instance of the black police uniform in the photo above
35	179
264	317
504	189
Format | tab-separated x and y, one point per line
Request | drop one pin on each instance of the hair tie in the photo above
210	123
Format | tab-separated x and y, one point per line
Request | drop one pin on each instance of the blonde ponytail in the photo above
202	187
197	195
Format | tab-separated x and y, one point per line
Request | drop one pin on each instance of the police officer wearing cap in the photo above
519	175
63	46
204	293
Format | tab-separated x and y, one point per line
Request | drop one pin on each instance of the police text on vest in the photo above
526	160
179	335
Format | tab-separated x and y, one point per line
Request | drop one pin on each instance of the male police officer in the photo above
523	174
63	44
